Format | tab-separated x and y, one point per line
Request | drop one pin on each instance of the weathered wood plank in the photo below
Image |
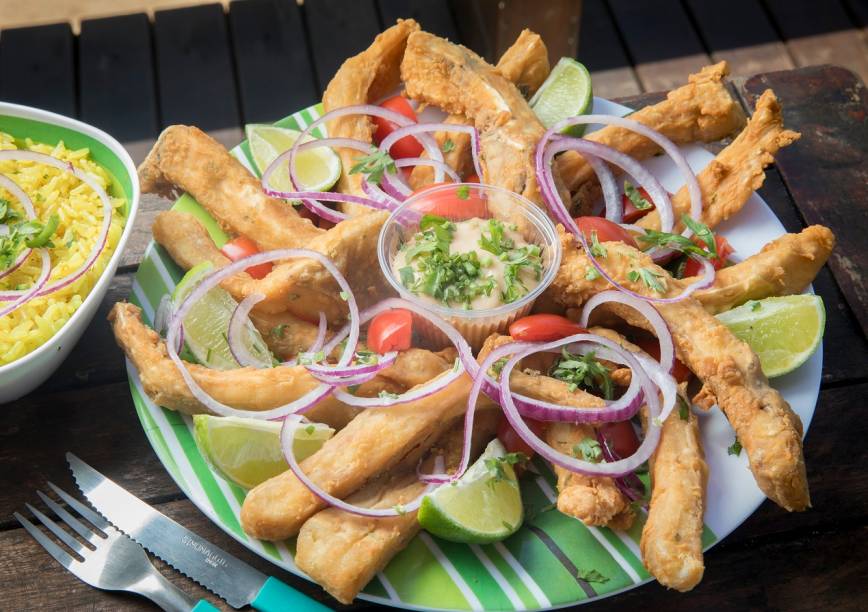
116	76
275	77
661	41
195	75
337	31
434	16
37	67
602	53
826	172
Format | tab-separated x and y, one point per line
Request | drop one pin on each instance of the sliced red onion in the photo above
664	381
614	469
14	154
28	294
312	397
375	193
320	334
287	438
384	361
423	128
25	201
237	322
661	329
629	485
310	199
422	161
611	195
163	314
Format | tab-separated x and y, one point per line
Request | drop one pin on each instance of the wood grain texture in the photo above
602	53
434	16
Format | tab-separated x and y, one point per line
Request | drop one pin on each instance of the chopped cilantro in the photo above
591	576
649	277
387	395
366	357
755	306
310	358
597	249
344	295
407	276
592	274
589	450
635	196
683	409
582	371
497	366
463	192
734	448
702	232
277	330
494	465
309	430
373	166
448	146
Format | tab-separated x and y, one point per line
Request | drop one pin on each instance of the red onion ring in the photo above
384	361
320	334
25	201
299	405
238	320
29	294
611	195
15	154
615	469
422	128
287	437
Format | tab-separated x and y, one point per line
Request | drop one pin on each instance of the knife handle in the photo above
204	606
275	596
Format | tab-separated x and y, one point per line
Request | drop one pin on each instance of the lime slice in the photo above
565	93
317	169
206	325
782	331
480	507
247	451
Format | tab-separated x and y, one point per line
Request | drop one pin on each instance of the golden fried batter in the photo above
186	158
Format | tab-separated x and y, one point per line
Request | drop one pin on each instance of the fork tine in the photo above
67	518
95	519
60	555
57	530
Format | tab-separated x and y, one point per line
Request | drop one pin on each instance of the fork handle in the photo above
170	598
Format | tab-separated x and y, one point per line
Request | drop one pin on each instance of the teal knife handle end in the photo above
204	606
275	596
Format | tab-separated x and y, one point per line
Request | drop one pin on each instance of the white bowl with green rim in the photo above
529	220
25	374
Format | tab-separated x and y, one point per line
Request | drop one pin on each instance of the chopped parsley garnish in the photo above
310	358
683	409
592	274
309	430
448	146
387	395
649	277
755	306
463	192
344	295
494	465
408	277
366	357
635	196
497	366
277	330
373	166
589	450
32	234
597	249
734	448
591	576
653	238
702	232
583	371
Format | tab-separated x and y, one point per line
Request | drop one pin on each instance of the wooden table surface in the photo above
808	561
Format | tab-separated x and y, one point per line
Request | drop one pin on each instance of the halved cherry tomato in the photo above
622	438
511	440
633	214
605	229
680	372
472	178
724	250
451	203
407	146
241	247
391	330
543	328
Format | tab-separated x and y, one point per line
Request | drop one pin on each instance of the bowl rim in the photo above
36	114
534	212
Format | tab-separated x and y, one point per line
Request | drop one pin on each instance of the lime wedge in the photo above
247	451
317	169
480	507
565	93
782	331
206	325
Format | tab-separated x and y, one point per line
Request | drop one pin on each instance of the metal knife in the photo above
212	567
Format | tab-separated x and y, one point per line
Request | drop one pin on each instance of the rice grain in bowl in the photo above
35	337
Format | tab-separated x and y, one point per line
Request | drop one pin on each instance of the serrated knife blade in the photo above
209	565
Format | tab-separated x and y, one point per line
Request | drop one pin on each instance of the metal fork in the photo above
109	561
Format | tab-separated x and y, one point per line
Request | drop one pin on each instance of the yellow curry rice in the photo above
55	192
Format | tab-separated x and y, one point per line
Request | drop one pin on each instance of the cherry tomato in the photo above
241	247
391	330
605	229
407	146
633	214
680	372
543	328
511	440
472	178
452	203
622	438
724	250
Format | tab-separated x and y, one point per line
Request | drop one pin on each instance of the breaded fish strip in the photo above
671	541
186	158
343	551
769	430
592	500
363	79
375	441
250	388
525	63
729	180
460	82
785	266
701	111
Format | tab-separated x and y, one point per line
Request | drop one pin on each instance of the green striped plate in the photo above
540	566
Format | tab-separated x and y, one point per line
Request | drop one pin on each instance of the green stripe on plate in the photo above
375	587
511	576
477	577
420	579
152	283
155	434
